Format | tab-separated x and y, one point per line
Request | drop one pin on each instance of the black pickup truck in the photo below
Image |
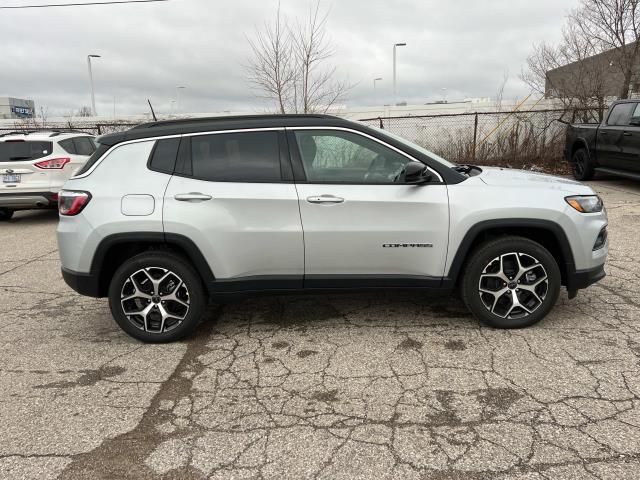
610	147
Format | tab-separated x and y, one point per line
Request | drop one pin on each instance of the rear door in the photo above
613	137
363	227
17	169
233	195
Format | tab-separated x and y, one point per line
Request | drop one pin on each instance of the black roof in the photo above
209	124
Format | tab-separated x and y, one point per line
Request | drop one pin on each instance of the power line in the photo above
81	4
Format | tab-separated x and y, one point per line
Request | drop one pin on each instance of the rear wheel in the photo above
6	214
511	282
581	165
157	297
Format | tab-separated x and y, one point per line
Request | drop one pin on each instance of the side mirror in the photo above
416	173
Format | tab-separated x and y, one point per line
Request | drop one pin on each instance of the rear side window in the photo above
163	157
84	146
252	157
68	146
621	114
14	151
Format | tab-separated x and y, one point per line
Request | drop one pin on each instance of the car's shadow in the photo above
33	217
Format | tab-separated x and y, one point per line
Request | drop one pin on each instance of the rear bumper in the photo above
19	200
86	284
584	278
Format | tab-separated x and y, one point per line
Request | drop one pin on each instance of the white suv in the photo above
169	215
35	166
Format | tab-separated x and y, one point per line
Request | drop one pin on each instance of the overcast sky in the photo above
464	46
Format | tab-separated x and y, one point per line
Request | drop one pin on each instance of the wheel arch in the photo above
578	144
545	232
115	249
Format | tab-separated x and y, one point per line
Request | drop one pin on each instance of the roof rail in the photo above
11	133
227	118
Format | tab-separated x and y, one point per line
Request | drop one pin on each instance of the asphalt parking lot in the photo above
364	386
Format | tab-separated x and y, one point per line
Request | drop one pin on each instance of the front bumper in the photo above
580	279
27	200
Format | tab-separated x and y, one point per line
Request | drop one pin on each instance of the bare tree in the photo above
84	111
271	69
289	64
500	93
581	87
612	25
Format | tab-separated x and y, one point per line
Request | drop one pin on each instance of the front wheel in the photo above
511	282
5	214
157	297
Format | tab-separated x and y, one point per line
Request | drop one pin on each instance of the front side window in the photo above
236	157
345	157
621	114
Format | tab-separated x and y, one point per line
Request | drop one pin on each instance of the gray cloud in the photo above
149	49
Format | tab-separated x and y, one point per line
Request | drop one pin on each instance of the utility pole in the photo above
93	96
394	71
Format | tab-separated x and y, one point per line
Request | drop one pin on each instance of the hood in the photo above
507	177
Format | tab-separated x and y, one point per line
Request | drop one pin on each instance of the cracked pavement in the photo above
384	386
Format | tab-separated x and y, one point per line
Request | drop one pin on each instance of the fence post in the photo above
475	136
98	127
381	124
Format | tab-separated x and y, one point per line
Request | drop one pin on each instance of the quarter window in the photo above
163	158
345	157
68	146
236	157
84	146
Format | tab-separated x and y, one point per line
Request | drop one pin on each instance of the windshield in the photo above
13	151
428	153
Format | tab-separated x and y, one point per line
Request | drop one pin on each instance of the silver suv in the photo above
169	215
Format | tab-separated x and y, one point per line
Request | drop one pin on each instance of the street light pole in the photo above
93	96
178	98
375	92
394	70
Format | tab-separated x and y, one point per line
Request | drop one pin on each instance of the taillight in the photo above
71	202
56	163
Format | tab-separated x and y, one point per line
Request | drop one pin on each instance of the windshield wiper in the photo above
20	158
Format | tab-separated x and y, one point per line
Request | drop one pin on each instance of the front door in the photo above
614	136
362	225
231	198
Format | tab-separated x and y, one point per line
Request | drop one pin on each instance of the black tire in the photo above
581	165
489	308
156	264
5	214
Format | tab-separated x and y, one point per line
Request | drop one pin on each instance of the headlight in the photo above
585	203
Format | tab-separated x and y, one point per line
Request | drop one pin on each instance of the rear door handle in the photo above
325	199
192	197
627	134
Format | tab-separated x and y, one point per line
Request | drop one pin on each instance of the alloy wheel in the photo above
155	299
513	285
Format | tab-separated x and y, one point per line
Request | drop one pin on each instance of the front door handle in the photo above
192	197
325	199
627	134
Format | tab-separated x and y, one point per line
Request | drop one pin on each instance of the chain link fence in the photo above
531	140
91	127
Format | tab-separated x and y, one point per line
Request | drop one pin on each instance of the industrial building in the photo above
16	108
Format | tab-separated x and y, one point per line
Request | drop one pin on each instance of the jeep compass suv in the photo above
169	215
